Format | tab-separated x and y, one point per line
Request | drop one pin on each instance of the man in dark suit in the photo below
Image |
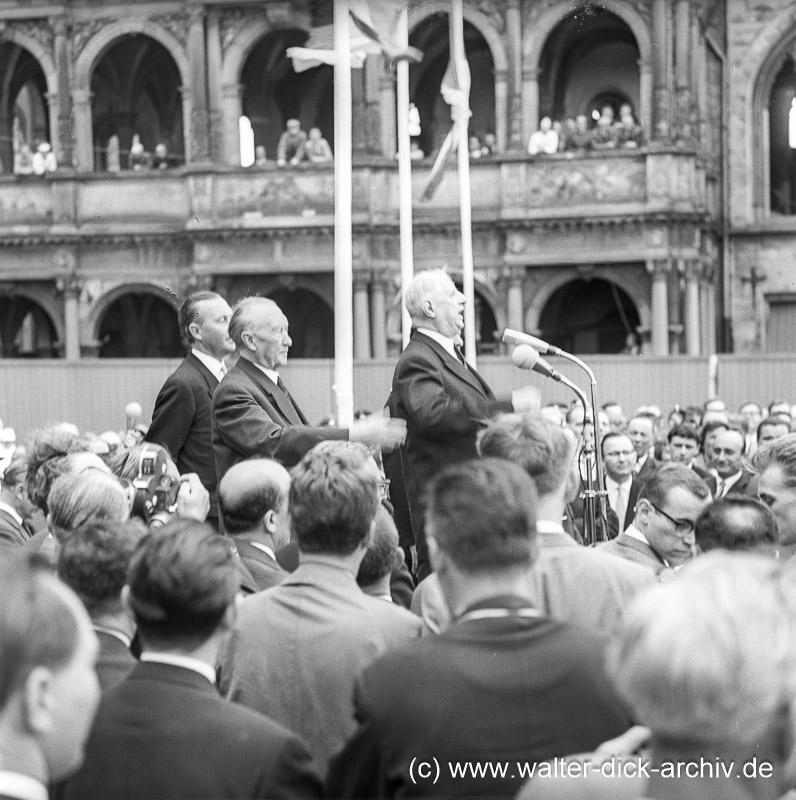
619	458
502	684
662	533
181	419
93	563
165	732
684	447
641	431
728	452
16	508
252	499
444	402
254	415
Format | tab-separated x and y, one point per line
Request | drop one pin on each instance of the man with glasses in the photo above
662	533
619	458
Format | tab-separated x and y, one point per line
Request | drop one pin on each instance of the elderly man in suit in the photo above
254	415
641	431
181	419
443	400
662	533
619	458
728	452
504	683
253	500
16	508
570	582
298	648
165	732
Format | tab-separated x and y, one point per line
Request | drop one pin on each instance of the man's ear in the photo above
229	619
428	309
246	339
196	331
269	522
436	556
38	701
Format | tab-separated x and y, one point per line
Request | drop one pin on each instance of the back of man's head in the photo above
48	687
76	500
380	556
482	515
14	474
665	478
47	460
333	500
189	312
94	564
736	522
541	449
248	491
779	453
181	580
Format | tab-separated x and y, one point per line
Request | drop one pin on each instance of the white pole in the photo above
343	251
465	202
404	173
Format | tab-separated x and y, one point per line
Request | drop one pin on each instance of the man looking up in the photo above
181	419
254	415
443	401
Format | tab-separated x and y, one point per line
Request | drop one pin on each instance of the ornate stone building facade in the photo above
687	242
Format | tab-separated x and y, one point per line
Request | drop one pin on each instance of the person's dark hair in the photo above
666	477
683	432
709	427
691	411
613	435
15	473
333	499
37	628
244	511
47	460
775	421
188	311
736	522
482	514
781	453
775	403
380	556
124	464
182	579
94	564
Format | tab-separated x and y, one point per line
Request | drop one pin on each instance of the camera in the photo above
156	491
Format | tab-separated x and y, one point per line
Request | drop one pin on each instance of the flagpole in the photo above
343	250
404	173
465	201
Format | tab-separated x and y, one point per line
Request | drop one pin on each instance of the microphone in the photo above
525	357
518	337
133	412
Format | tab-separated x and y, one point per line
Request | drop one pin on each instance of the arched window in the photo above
782	143
26	330
139	325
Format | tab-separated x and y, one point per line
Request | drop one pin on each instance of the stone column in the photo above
83	134
514	28
659	271
232	107
501	109
660	37
198	149
215	95
530	103
682	69
708	309
361	316
387	104
69	285
60	134
644	110
372	78
515	305
358	127
378	315
692	316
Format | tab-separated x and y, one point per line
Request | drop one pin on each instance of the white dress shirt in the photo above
268	372
21	787
185	662
618	497
213	364
725	484
445	341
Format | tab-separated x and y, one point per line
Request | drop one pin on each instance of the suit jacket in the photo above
265	571
634	550
709	479
297	649
745	485
571	583
164	733
630	511
643	475
254	418
12	534
486	690
114	662
181	423
444	404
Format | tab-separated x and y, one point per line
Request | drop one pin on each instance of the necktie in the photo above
222	371
721	487
621	505
280	384
460	356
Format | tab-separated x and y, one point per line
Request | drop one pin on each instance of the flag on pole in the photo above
455	91
373	29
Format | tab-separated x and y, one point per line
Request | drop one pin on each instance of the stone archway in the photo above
26	329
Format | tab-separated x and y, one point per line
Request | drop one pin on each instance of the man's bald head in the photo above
251	491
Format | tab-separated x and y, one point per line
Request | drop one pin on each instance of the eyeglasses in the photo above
617	453
681	526
384	490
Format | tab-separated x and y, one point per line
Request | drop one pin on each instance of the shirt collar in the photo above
11	512
611	484
123	638
547	526
634	533
213	364
269	551
185	662
732	480
269	373
444	341
22	787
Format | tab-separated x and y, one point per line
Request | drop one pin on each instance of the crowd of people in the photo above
230	602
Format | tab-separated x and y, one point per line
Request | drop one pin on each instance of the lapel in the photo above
634	544
207	376
454	366
291	414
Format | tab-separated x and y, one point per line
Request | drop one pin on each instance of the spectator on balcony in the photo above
162	159
580	138
23	160
139	158
291	144
44	159
545	140
259	156
603	137
489	147
628	133
475	147
316	148
114	163
415	153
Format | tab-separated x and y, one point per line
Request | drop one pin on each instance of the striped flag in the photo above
373	29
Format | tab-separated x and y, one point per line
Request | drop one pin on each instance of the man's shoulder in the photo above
598	562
